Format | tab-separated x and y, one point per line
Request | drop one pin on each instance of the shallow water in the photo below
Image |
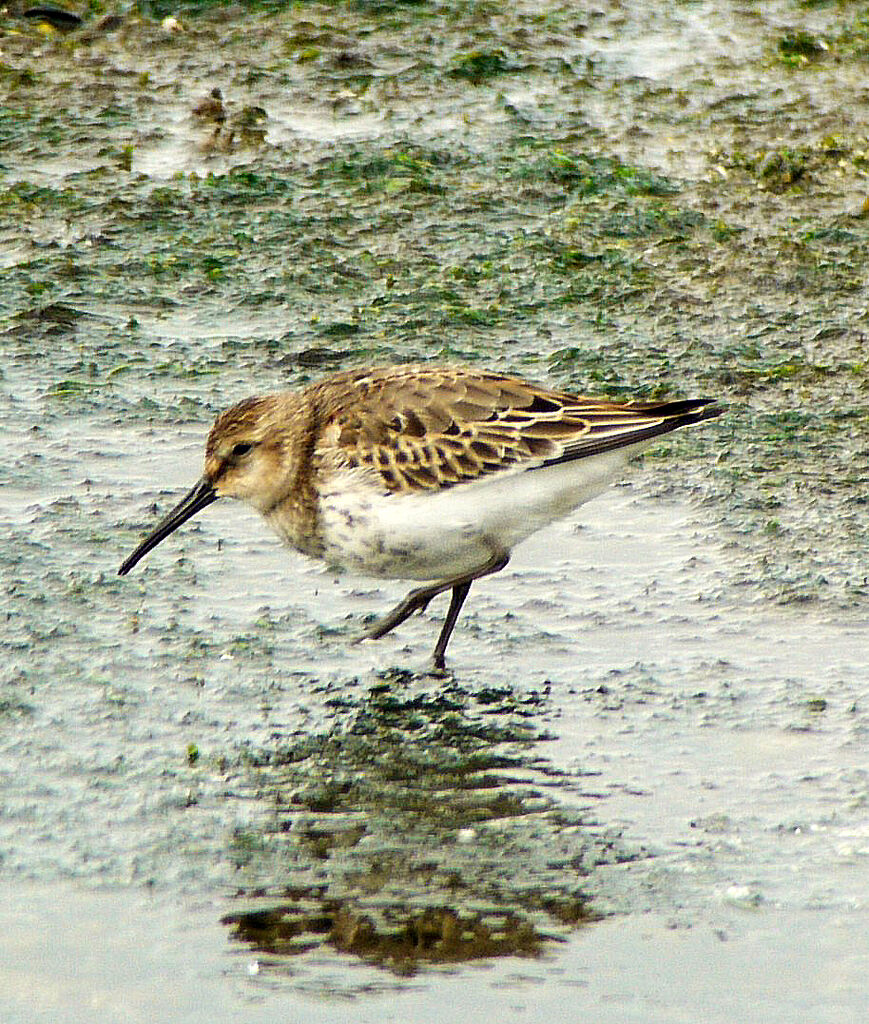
641	793
713	744
641	968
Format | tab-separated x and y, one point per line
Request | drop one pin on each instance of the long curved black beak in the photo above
196	500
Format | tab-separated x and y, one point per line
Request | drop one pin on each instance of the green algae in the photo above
154	272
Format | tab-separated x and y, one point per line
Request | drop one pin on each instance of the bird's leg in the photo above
417	600
460	592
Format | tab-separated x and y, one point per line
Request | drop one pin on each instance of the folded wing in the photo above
430	429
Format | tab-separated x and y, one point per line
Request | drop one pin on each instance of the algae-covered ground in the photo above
651	750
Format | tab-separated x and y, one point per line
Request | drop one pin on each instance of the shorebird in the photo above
419	472
211	107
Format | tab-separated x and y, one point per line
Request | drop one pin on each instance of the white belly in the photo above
437	534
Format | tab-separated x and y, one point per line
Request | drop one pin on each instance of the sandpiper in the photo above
211	107
419	472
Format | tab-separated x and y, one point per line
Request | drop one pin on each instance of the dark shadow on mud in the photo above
423	828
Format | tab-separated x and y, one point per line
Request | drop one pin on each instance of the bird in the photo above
210	107
419	472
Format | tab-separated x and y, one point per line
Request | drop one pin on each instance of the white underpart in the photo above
437	534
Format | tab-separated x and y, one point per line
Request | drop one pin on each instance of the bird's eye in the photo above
240	449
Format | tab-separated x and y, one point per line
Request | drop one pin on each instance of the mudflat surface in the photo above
641	793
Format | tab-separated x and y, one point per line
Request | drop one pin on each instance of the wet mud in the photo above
655	714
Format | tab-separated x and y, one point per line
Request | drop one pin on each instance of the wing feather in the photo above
424	428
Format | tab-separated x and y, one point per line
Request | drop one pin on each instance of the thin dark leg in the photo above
417	600
460	592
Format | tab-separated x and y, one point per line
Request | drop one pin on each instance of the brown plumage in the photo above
423	428
419	472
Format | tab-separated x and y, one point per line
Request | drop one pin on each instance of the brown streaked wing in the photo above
425	429
422	428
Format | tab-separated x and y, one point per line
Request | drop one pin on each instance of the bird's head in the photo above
245	458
